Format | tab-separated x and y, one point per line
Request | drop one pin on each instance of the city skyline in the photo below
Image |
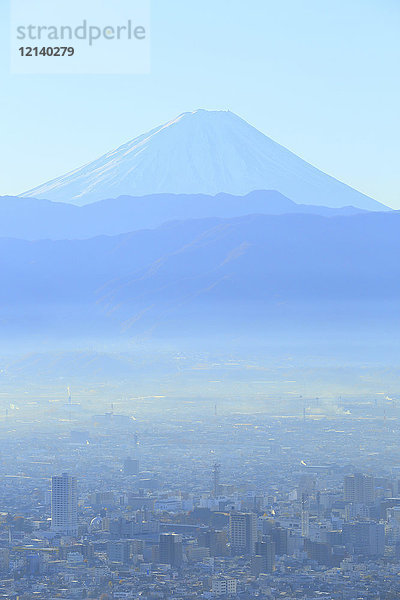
171	527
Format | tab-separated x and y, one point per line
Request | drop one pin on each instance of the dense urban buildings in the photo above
185	506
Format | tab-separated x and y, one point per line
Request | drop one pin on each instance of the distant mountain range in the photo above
207	274
35	219
202	152
203	227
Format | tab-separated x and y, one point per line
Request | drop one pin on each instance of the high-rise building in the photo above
320	552
359	488
170	549
131	466
118	550
64	504
366	538
305	517
215	540
242	532
280	537
264	559
216	477
4	560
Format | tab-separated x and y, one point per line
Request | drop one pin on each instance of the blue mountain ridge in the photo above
33	219
212	273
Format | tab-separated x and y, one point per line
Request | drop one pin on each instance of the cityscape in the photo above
190	506
199	300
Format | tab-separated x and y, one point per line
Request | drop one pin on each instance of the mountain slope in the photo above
32	219
204	152
249	273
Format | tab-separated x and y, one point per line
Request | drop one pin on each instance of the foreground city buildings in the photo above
241	506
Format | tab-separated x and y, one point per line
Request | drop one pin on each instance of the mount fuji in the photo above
201	152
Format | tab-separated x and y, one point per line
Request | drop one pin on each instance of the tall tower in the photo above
64	504
305	519
216	474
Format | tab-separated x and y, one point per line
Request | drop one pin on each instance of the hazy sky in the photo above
320	77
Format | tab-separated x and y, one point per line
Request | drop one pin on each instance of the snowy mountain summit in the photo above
201	152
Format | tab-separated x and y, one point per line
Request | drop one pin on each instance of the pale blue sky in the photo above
320	77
